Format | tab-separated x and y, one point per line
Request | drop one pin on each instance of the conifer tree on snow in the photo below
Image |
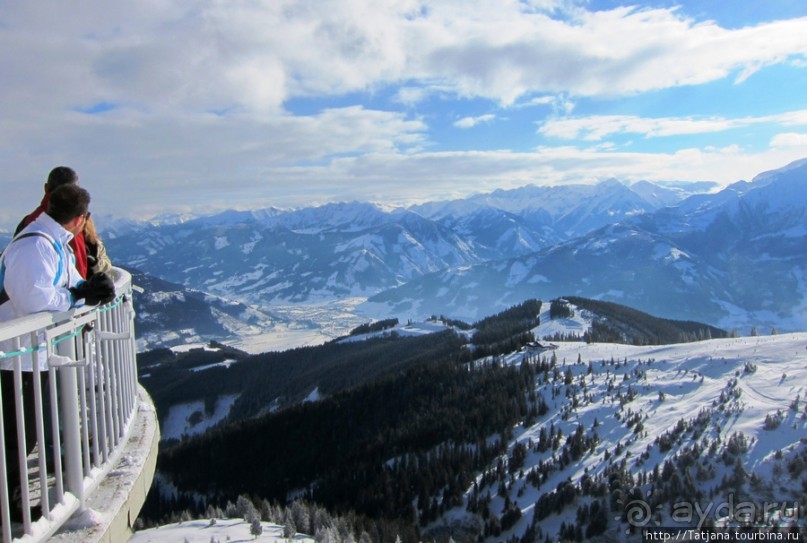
255	528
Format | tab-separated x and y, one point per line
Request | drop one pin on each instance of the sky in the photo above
172	106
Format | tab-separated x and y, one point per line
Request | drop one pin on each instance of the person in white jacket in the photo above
39	274
40	268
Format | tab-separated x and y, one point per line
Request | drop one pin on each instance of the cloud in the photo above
410	96
137	164
400	178
509	54
162	104
539	101
790	139
470	122
258	55
596	128
599	127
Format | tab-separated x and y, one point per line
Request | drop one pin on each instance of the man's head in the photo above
60	175
69	206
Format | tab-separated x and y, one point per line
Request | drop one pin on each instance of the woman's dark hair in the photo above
61	175
68	202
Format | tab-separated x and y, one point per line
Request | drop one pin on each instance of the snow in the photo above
224	364
179	423
191	346
279	339
578	324
248	247
314	396
692	377
420	328
296	326
667	253
221	242
166	297
518	272
538	278
403	330
202	531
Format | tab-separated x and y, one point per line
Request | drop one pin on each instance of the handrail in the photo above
89	389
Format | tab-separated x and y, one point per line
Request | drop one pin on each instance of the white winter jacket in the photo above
37	277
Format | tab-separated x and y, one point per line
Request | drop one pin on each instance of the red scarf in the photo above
77	243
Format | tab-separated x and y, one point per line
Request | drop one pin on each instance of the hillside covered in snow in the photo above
523	439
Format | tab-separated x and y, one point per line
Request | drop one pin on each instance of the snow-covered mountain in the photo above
735	259
359	249
314	255
570	204
352	250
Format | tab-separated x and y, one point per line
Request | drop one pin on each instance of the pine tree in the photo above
289	529
301	516
246	509
255	528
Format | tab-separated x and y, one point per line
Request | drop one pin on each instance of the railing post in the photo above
5	516
22	450
71	439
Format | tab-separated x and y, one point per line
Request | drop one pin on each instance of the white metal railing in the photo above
78	412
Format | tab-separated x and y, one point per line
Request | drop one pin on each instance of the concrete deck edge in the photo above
113	507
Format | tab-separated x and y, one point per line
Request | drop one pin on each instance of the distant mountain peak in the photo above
795	165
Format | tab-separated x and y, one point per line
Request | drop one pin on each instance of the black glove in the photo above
100	289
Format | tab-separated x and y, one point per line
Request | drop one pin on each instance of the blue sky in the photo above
176	107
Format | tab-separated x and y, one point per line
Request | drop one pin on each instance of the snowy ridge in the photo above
323	254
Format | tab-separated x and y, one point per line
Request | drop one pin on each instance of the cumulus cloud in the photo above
790	139
259	54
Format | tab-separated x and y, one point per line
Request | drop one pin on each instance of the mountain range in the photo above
734	258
